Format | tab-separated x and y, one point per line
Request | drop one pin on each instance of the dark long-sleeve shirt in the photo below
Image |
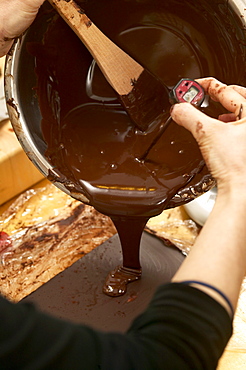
182	328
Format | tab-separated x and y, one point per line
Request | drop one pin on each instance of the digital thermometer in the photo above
187	91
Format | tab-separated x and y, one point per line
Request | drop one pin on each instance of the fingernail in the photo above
171	108
240	112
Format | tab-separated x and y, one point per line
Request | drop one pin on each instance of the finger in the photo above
204	82
227	117
240	89
231	99
192	119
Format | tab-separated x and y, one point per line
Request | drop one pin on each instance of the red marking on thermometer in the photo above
187	91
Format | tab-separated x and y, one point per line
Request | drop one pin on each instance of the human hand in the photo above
15	17
222	141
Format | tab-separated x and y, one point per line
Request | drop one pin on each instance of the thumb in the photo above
198	123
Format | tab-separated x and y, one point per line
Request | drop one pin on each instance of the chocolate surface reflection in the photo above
90	139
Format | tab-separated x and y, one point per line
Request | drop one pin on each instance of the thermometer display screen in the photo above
190	94
187	91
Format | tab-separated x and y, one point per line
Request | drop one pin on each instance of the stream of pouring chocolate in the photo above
90	138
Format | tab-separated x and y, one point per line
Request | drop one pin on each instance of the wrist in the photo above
233	192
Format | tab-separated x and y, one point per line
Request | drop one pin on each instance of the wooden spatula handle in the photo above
117	66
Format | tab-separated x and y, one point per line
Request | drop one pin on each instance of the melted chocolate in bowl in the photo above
88	137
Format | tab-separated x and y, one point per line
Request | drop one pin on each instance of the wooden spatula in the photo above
143	96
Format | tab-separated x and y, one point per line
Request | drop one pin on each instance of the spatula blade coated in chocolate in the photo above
148	100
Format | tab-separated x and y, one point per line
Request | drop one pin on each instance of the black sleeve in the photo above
183	328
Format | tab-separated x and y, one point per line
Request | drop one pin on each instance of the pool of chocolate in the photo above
85	133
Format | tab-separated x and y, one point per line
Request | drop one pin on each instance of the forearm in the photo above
219	254
182	328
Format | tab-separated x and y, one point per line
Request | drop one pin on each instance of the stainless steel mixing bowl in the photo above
24	110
